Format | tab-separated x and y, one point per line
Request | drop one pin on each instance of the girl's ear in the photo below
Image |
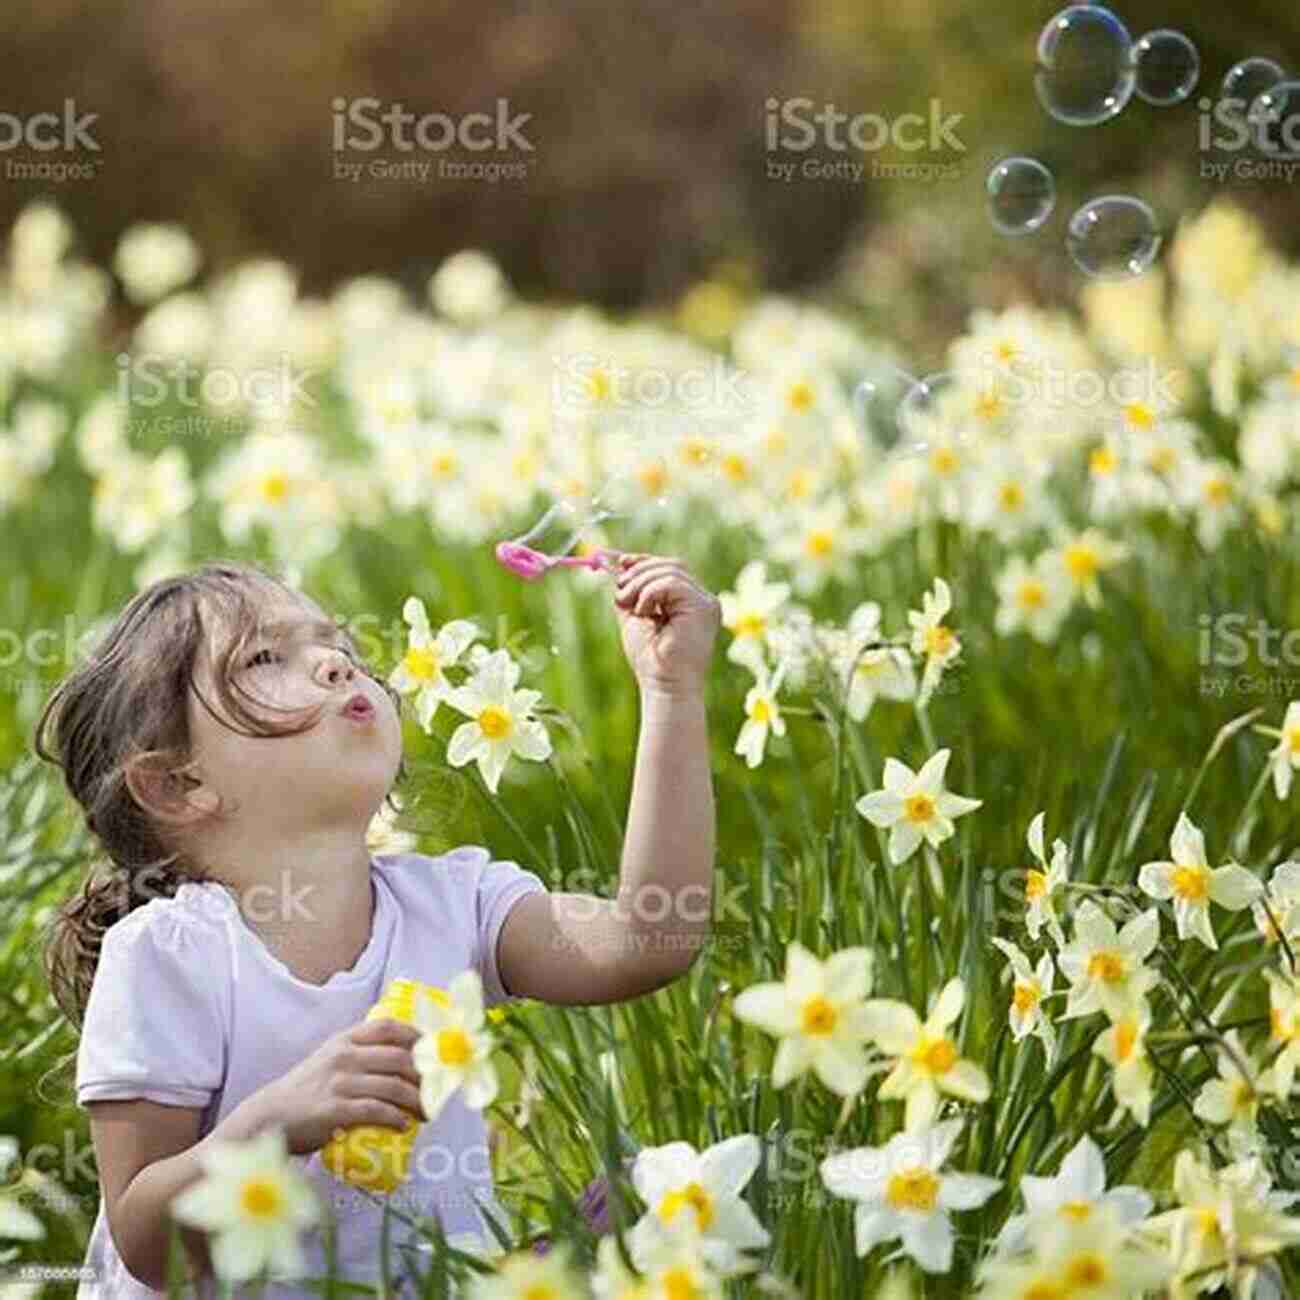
175	795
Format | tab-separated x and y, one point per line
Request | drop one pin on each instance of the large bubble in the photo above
1246	81
1168	66
1086	69
1114	237
1276	118
1021	195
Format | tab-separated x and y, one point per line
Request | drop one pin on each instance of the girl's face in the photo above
335	772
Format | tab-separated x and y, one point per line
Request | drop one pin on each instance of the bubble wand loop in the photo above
529	564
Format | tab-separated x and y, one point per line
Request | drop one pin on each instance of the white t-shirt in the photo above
190	1008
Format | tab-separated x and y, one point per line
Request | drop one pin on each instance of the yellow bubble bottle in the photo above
372	1156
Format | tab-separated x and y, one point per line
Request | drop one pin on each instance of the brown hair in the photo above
123	711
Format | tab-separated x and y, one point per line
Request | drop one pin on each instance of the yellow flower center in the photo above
454	1047
1085	1269
443	464
678	1285
1011	496
735	467
819	1017
697	452
259	1198
1024	997
988	406
799	484
943	460
1125	1038
1140	415
1035	884
598	386
422	662
1077	1210
523	464
775	441
653	478
1081	561
913	1189
1031	594
1207	1220
275	487
692	1195
541	1291
494	722
1043	1289
760	710
1106	966
1102	461
937	1055
800	395
1292	737
1192	883
1217	490
1005	351
918	808
819	543
750	625
939	640
1243	1095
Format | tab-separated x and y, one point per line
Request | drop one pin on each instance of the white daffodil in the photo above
17	1222
1104	966
422	672
695	1196
762	715
1030	985
501	723
672	1268
526	1275
818	543
1233	1098
255	1204
1228	1220
1123	1048
1191	883
1042	886
1094	1254
748	613
1031	598
1283	900
1076	1193
932	639
901	1192
1284	1028
454	1049
914	806
881	672
1081	558
817	1013
1285	756
926	1062
136	499
152	259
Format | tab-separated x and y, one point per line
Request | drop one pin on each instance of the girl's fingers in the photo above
630	589
636	562
653	594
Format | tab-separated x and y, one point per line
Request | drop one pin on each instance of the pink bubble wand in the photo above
529	564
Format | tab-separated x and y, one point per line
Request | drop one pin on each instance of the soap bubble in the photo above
1086	71
1276	116
1021	194
876	403
934	416
1246	81
1168	66
1113	237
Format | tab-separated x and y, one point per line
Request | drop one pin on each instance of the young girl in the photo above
229	748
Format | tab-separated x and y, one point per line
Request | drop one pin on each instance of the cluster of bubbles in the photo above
1089	68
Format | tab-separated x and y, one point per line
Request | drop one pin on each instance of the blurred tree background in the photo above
647	122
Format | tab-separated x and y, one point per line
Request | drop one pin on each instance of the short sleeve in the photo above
155	1025
499	885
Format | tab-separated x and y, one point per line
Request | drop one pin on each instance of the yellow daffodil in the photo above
454	1050
1030	985
914	806
422	671
1104	966
1123	1048
1042	886
932	640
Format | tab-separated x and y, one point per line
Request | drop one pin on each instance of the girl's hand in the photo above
362	1075
667	620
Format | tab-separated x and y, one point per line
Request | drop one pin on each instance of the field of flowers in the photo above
1001	996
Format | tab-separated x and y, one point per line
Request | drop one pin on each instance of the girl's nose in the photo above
334	667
